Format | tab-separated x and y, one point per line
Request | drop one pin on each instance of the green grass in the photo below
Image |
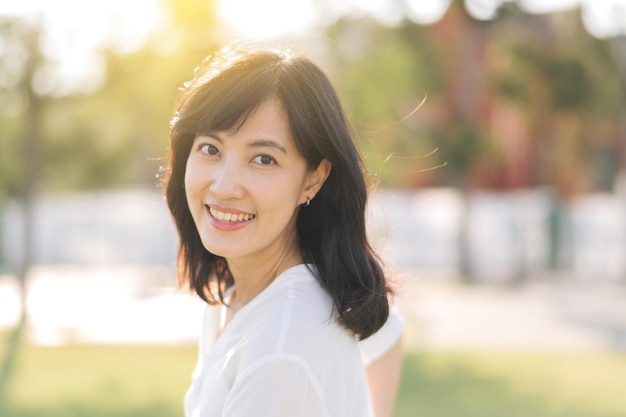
99	381
513	384
137	381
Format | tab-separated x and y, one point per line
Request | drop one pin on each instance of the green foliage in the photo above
382	81
565	88
460	143
551	90
10	167
118	135
571	86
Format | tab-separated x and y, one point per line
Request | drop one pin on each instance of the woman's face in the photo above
244	187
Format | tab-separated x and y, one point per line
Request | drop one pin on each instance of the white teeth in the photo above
231	217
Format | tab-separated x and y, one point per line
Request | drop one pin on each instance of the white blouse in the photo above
284	354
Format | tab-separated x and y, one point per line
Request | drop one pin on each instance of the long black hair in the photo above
331	230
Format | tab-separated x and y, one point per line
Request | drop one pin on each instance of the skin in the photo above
383	377
256	172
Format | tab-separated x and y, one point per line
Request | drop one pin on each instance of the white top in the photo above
284	354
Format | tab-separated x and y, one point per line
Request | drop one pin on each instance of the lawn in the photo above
98	381
513	384
125	381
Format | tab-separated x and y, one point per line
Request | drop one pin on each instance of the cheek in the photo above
196	173
280	195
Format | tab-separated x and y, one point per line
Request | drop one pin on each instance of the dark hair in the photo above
331	231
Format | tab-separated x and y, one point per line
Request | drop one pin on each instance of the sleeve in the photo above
380	342
282	386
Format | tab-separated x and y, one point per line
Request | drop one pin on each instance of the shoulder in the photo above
292	346
296	316
380	342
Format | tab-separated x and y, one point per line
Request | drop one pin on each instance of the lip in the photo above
222	225
226	209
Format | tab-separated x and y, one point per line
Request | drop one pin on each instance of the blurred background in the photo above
494	130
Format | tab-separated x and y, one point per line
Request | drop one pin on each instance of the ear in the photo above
315	179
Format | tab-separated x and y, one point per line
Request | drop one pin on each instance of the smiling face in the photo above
244	187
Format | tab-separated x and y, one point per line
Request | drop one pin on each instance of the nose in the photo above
227	180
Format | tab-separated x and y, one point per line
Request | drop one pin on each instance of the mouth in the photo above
227	217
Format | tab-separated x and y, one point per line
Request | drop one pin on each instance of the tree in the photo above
23	38
514	102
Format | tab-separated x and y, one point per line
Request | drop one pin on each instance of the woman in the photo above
268	194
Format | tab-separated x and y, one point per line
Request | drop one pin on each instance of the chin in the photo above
221	250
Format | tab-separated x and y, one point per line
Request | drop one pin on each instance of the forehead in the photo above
268	120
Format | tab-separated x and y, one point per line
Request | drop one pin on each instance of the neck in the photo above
252	276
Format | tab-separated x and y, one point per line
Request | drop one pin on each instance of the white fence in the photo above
95	228
507	234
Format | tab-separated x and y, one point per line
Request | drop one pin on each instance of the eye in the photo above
264	160
208	149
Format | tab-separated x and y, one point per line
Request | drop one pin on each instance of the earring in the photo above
307	202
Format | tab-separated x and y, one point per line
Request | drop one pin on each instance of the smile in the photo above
231	217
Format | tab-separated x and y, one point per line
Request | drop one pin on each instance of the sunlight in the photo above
120	23
427	12
75	31
278	18
543	6
602	18
605	18
273	19
266	19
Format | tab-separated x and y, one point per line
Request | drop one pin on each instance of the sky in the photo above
83	28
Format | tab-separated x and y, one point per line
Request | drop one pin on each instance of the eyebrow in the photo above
269	144
259	143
